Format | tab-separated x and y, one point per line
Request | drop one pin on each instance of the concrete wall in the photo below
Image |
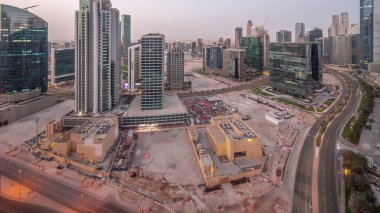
21	96
15	112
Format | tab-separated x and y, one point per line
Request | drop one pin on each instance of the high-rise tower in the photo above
152	71
375	66
125	33
366	33
175	68
249	25
238	36
344	24
300	32
23	50
97	75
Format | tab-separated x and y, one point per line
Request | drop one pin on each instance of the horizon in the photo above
207	22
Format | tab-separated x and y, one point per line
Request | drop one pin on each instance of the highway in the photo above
302	199
71	196
329	179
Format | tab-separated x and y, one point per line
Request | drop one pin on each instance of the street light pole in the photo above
36	119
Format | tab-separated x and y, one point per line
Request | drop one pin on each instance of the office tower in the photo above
221	41
125	33
314	35
97	77
62	66
238	36
23	50
152	71
284	36
193	47
260	32
334	29
375	66
366	33
227	43
249	25
300	32
213	57
234	64
175	69
344	24
304	76
134	66
199	45
254	48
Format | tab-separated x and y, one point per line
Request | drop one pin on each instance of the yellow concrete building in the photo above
230	151
90	141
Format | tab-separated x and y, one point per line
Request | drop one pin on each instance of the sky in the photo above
192	19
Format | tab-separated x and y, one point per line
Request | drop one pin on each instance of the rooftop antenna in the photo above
26	8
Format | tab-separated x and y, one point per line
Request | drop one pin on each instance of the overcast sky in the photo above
191	19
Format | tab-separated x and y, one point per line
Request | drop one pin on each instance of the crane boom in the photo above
26	8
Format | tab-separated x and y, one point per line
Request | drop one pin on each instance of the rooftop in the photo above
172	105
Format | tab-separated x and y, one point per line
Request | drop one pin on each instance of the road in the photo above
11	206
302	200
329	179
71	196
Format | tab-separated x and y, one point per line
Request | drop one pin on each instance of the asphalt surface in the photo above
329	174
66	194
302	199
11	206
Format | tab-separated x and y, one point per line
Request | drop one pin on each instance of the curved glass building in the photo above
23	50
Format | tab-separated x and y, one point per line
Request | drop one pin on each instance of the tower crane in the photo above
26	8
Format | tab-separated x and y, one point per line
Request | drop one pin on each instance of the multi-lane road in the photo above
68	195
302	199
329	184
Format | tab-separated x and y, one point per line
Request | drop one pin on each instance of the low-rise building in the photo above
89	142
231	153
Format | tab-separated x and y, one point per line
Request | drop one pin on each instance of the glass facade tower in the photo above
23	50
152	71
295	68
126	33
255	52
366	33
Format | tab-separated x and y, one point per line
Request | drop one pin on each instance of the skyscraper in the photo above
134	65
300	32
238	36
23	50
221	41
97	77
62	66
375	65
249	25
314	34
235	64
199	45
227	43
125	33
366	33
175	68
344	24
334	30
152	71
254	47
284	36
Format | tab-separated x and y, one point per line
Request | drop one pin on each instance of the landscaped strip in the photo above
353	130
292	103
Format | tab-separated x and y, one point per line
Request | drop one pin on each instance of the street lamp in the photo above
36	119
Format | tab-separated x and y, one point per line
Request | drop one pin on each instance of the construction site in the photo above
202	109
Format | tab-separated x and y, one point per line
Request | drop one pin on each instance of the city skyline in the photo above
201	22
